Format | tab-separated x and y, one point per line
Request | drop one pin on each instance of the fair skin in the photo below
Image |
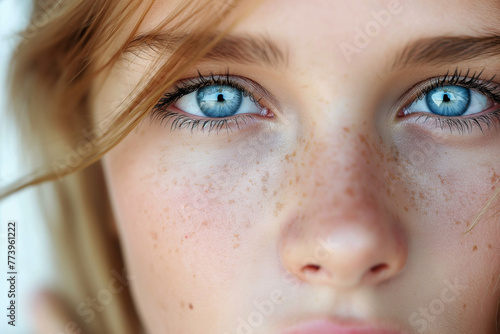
330	207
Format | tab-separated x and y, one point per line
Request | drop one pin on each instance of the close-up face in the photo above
316	172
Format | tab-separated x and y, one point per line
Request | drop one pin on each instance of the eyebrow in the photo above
445	49
247	49
241	49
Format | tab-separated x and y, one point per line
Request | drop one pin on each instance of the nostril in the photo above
311	268
378	268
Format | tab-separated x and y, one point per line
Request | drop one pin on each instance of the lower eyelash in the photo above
179	121
465	124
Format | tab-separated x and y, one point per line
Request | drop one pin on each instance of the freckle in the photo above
154	235
474	248
289	157
489	246
155	246
190	306
346	129
279	206
495	177
458	223
464	306
265	177
406	209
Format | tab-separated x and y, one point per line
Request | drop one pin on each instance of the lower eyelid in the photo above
178	120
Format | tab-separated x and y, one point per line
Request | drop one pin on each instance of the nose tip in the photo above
349	257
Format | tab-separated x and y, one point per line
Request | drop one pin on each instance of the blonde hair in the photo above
57	61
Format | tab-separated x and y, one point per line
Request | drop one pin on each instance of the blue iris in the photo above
219	101
448	100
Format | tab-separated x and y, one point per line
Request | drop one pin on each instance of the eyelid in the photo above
254	90
486	87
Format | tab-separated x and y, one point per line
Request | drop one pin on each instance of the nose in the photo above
365	252
344	241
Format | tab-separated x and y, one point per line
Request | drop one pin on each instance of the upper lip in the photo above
339	327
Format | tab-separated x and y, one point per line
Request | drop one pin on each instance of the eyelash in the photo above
178	120
473	82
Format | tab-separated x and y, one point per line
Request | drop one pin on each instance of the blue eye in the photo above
218	101
450	101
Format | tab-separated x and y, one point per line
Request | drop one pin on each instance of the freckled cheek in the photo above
446	184
194	206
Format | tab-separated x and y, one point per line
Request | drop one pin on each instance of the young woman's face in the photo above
320	175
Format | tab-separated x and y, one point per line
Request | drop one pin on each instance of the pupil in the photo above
220	98
446	98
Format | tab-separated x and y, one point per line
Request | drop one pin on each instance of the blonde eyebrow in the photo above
240	49
448	49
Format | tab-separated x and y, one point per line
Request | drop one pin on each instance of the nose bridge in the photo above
344	234
343	167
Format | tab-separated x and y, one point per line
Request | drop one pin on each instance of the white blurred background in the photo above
33	260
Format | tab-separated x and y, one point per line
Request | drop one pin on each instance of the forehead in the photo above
328	31
367	27
336	16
